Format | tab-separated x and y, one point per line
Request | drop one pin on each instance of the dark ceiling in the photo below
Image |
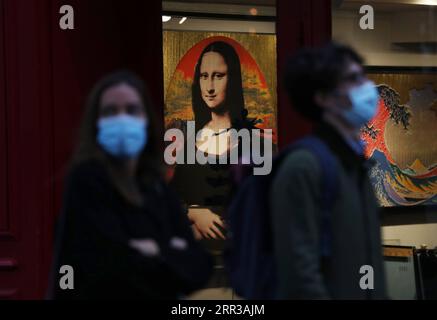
270	3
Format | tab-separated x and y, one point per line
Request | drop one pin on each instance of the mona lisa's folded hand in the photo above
196	232
207	223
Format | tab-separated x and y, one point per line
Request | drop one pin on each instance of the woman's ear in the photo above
322	99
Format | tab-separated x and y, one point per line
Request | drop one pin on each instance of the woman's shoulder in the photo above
90	166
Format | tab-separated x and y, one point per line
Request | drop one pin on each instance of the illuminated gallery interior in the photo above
46	74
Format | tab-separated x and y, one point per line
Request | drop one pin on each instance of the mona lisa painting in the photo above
402	138
221	82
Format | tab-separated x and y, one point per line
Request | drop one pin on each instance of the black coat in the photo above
95	228
354	226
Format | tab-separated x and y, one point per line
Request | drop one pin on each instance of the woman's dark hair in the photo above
314	70
149	164
234	90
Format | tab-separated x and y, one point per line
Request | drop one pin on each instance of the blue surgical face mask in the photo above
364	100
122	136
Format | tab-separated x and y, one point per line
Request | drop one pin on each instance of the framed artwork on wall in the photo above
402	137
210	76
257	58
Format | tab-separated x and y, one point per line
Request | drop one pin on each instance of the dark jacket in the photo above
93	234
355	226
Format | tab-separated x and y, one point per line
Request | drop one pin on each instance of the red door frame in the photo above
310	21
28	152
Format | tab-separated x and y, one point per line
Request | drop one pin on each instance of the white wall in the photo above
376	45
411	235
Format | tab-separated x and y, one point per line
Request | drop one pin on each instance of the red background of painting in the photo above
188	62
378	123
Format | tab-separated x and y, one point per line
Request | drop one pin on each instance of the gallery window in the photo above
250	29
398	41
220	74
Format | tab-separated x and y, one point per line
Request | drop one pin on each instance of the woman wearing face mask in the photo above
122	230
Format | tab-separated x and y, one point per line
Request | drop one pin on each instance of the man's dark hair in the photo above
314	70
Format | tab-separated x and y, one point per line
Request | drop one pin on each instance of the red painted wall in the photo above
45	74
299	24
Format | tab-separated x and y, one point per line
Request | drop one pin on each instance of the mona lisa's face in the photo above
213	79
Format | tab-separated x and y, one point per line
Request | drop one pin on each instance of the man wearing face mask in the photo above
320	251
